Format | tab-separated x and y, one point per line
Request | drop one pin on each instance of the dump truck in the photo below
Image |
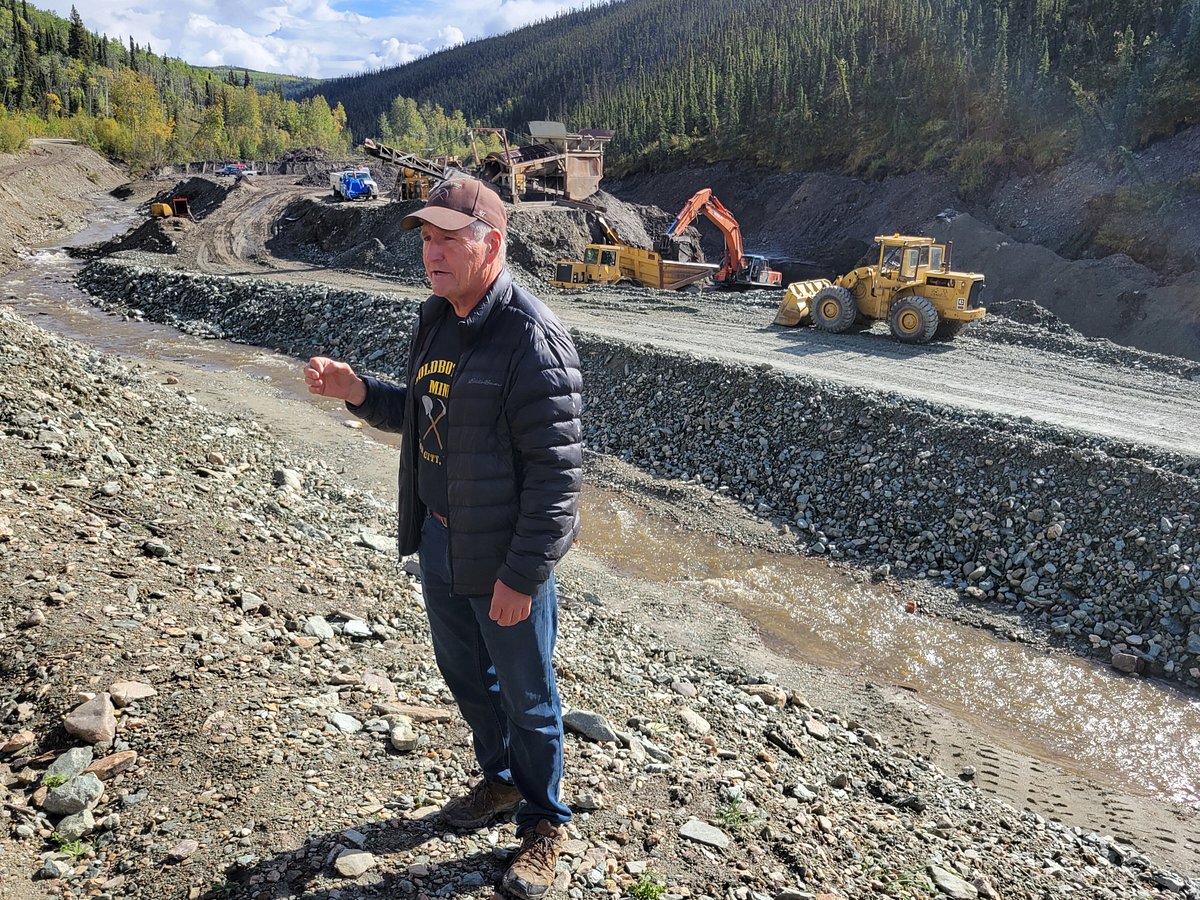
616	260
353	184
738	269
911	286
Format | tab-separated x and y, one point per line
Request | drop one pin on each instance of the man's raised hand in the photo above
330	378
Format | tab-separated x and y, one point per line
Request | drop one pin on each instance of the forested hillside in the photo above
866	85
58	78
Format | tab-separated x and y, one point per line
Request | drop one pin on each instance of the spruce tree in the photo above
79	45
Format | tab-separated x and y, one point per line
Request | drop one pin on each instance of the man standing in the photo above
490	473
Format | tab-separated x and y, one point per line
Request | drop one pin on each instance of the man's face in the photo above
458	265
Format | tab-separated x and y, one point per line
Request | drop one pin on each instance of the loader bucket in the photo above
796	307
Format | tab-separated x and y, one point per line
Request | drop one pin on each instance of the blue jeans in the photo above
502	678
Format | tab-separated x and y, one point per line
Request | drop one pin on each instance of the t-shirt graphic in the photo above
432	385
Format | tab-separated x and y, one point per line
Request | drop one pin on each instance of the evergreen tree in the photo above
79	45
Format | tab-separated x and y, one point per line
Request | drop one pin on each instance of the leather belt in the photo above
445	522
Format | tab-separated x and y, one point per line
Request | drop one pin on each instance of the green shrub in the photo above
648	887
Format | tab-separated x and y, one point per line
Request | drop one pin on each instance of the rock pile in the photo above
251	654
1097	540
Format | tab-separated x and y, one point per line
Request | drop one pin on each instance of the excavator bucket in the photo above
796	308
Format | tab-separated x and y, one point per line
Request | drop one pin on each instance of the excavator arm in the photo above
704	203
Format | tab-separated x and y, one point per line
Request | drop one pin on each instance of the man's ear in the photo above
494	241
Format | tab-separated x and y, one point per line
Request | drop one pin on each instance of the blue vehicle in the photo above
353	184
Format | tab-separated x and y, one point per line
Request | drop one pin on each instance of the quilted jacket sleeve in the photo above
543	410
384	406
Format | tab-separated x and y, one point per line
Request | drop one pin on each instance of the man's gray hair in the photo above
479	230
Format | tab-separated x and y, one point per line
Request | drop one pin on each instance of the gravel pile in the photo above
203	194
217	683
1097	539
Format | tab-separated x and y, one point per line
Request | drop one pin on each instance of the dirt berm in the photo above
45	190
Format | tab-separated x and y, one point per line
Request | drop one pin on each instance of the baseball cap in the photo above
456	203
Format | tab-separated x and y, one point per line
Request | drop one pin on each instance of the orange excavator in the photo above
738	269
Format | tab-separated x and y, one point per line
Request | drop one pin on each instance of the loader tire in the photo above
949	329
834	309
913	320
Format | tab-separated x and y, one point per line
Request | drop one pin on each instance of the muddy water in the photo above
1134	735
1141	736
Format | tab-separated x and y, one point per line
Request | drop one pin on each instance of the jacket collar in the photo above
470	328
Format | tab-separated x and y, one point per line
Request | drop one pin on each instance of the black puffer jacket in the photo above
515	469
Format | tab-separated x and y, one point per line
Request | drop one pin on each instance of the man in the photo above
490	473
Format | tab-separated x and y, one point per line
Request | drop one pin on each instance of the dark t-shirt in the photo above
432	385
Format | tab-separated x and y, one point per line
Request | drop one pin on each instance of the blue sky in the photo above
318	38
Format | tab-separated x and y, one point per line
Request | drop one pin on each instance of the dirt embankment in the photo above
45	190
1061	240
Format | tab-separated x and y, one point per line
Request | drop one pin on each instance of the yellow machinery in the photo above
616	260
177	207
911	286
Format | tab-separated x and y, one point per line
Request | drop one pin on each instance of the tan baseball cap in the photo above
456	203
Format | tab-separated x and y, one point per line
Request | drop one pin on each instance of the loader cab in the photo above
600	255
903	260
601	262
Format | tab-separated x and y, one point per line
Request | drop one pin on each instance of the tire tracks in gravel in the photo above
1125	404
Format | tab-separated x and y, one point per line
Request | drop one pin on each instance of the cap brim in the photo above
446	219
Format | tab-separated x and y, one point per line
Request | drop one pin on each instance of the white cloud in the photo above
305	37
450	36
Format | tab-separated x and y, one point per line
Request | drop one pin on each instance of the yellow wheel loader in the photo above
911	287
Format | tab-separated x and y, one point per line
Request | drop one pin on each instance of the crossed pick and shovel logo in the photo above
427	402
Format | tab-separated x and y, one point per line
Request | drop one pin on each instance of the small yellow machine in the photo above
911	286
615	261
177	207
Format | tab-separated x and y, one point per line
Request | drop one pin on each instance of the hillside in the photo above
863	86
59	79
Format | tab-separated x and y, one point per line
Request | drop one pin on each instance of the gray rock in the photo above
591	725
288	479
377	542
357	628
345	723
353	863
156	549
125	692
75	826
703	833
694	723
403	736
817	729
319	628
78	794
951	885
71	763
53	869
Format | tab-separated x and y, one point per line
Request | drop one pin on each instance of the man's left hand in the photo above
508	606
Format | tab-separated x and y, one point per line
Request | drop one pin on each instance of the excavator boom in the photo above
737	269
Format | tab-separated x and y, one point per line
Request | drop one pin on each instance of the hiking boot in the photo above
532	871
482	805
